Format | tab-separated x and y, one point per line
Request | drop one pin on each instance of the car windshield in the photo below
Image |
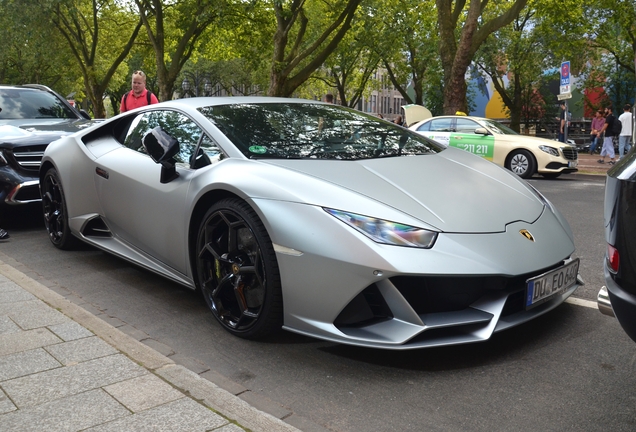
25	103
313	131
499	128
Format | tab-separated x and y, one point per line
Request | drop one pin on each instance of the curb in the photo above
191	384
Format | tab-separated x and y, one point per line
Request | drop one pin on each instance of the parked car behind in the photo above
31	117
523	155
618	297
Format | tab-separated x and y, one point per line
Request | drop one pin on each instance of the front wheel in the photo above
55	213
237	270
521	162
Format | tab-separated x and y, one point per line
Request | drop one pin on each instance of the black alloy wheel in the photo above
55	214
237	270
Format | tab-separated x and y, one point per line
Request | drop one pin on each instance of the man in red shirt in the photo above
138	96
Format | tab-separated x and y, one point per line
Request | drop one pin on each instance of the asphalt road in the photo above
570	370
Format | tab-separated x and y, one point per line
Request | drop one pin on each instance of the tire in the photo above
55	212
551	175
237	270
521	162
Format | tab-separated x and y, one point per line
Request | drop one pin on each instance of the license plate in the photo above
573	164
541	288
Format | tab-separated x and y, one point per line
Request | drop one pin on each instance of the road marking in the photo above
582	302
580	185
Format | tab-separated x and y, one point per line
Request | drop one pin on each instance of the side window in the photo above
424	127
207	153
174	123
441	125
466	125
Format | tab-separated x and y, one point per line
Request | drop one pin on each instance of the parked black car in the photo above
618	297
31	117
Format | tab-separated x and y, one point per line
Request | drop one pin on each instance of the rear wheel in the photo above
237	270
521	162
55	213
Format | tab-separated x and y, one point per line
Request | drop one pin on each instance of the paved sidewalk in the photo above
588	164
63	369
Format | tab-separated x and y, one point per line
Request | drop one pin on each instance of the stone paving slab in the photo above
7	325
183	415
5	404
80	350
26	340
6	285
58	383
144	392
15	296
70	330
73	413
26	363
32	314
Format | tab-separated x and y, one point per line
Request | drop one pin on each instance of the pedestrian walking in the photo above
625	137
595	136
563	120
609	131
138	96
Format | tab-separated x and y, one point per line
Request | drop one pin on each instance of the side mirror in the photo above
84	114
162	148
482	131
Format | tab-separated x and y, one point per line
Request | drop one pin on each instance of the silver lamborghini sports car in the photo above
312	217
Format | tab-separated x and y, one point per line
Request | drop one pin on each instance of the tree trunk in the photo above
284	79
186	40
517	102
456	55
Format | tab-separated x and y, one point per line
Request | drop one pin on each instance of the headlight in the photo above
549	150
386	232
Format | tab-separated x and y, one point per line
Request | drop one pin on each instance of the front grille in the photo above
558	165
433	294
570	153
29	157
437	295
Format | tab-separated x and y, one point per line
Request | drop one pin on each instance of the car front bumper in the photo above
18	189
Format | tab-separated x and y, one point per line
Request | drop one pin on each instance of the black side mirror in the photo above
84	114
162	148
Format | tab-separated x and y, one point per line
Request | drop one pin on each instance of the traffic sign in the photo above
564	96
565	73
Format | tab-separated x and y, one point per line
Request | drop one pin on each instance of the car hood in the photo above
453	191
530	140
60	126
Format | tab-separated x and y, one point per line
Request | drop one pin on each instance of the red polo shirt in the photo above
133	101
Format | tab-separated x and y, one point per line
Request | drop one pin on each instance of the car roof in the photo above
197	102
459	116
27	86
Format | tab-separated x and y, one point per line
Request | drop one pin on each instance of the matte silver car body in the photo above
476	207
